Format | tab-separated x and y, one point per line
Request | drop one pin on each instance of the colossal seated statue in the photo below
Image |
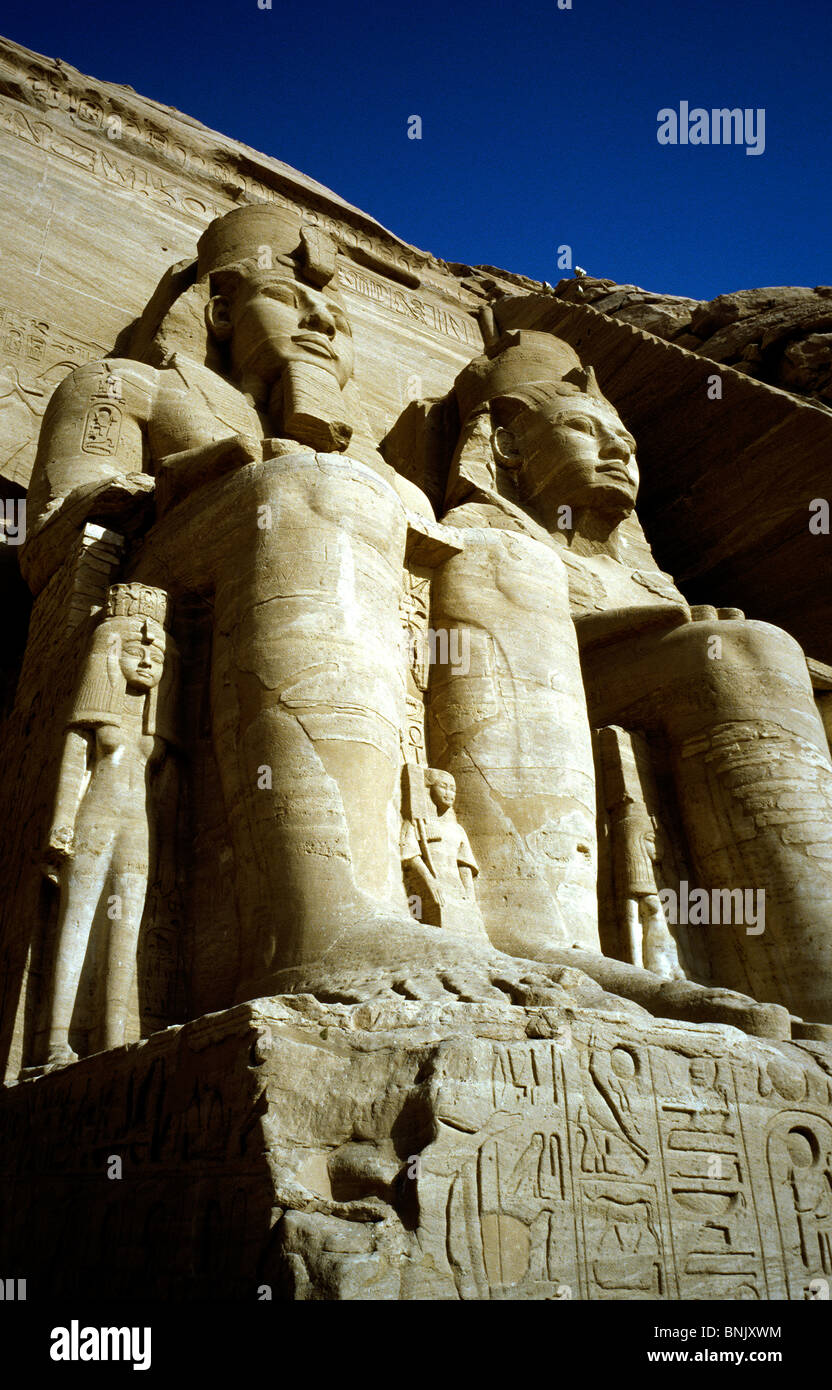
544	481
249	477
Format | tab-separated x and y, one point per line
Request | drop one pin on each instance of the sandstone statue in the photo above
544	482
416	888
437	854
110	793
303	556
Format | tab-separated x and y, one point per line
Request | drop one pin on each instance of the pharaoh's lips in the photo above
315	342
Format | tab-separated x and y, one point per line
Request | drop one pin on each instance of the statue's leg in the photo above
659	949
305	557
633	929
734	703
82	884
509	721
129	889
308	704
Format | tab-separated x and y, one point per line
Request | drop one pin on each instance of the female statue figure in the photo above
437	855
101	843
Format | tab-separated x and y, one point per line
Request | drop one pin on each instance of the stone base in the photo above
400	1149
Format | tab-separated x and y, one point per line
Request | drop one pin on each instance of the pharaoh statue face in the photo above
271	319
141	648
572	451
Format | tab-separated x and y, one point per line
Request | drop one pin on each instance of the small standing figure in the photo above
115	772
634	854
437	856
630	797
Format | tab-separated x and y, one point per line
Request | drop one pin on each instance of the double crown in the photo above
245	233
521	358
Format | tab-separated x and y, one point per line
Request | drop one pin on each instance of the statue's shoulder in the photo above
111	371
184	383
119	381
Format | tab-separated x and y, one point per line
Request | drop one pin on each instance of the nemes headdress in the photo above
102	687
260	235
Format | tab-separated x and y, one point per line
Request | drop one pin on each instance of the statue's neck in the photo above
133	709
256	390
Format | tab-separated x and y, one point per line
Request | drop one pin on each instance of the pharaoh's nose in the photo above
613	447
316	316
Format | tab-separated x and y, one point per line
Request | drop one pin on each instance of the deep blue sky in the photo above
539	124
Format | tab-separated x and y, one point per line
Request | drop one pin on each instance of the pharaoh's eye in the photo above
581	423
284	292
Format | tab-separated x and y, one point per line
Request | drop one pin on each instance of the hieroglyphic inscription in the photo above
411	306
106	165
34	356
499	1174
715	1230
624	1238
799	1153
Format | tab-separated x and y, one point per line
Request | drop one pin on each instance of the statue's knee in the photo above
718	645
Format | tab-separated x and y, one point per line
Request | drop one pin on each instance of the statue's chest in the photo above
196	406
599	583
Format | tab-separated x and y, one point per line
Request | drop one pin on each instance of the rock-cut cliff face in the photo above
781	334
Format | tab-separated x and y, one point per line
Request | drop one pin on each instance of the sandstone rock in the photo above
290	1149
807	365
413	891
710	318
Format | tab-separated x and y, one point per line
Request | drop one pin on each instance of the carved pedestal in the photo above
396	1150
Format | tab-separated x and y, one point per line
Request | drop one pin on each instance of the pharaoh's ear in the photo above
506	450
218	317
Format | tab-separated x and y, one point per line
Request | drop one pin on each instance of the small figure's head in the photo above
141	650
131	653
442	788
271	299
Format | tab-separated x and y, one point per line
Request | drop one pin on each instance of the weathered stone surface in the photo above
806	366
759	332
301	1150
352	687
